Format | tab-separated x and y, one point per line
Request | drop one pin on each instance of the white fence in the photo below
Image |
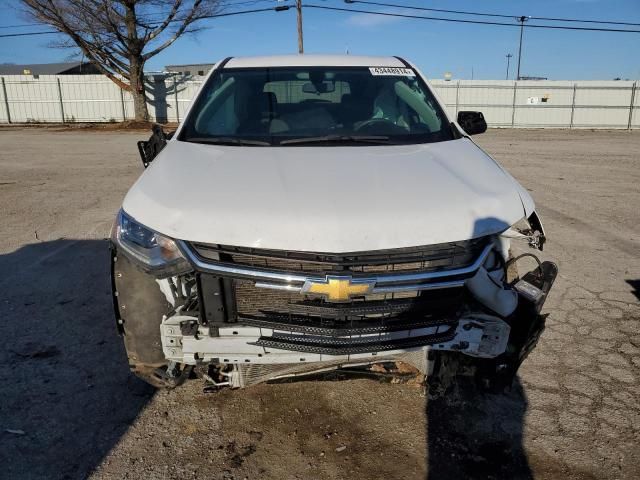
544	104
89	98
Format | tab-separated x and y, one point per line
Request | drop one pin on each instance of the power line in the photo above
204	17
549	19
230	14
384	4
26	34
410	7
477	22
484	14
22	25
371	12
223	4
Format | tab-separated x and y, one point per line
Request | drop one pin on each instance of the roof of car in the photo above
314	60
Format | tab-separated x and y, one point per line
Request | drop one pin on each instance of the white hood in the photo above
326	199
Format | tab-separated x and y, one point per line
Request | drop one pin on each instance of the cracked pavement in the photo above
573	413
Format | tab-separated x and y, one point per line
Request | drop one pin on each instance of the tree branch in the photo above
114	35
172	15
189	19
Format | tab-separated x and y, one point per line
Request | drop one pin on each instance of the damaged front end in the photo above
239	316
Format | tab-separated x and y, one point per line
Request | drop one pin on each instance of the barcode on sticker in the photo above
392	71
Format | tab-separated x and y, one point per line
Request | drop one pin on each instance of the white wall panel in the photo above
552	104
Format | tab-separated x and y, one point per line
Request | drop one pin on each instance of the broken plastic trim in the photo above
489	287
536	225
172	376
150	149
530	229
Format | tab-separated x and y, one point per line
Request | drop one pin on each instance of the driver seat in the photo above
387	106
354	109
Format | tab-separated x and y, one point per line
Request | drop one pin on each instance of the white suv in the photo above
317	212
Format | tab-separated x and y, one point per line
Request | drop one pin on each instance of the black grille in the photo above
251	300
378	313
333	328
442	256
332	346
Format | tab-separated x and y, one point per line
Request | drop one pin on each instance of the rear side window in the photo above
293	91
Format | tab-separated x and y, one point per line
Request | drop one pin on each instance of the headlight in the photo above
152	250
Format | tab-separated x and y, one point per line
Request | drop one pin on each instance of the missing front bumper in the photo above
321	336
478	335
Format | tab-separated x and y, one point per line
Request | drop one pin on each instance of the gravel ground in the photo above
69	408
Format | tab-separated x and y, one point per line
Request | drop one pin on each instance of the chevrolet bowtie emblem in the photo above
338	289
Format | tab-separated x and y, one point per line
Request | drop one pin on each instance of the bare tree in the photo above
120	36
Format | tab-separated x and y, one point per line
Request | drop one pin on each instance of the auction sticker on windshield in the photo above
392	71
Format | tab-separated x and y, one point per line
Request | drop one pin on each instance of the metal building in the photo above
195	69
67	68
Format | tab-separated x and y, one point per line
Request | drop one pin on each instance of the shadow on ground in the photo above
470	434
477	435
473	434
67	395
635	285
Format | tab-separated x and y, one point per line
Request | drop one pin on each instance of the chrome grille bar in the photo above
388	283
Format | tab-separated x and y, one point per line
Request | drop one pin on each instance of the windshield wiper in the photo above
338	138
228	141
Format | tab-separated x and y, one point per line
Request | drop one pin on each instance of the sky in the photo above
436	47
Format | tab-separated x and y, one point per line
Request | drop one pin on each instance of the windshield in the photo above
316	105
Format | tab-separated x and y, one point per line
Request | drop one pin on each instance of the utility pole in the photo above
300	38
508	55
521	20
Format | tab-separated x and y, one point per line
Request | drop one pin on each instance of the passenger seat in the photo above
262	113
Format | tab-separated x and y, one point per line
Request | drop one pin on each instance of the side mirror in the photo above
472	122
151	148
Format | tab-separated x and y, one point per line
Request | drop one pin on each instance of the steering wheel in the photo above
379	126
